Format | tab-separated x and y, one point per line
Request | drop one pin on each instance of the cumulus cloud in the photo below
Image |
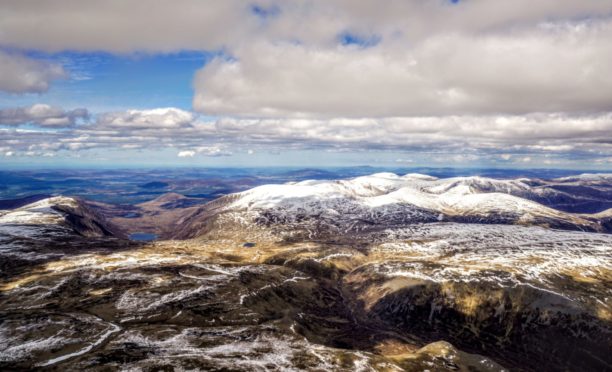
510	80
186	154
122	130
42	115
21	74
455	138
190	24
161	118
114	25
545	132
212	150
561	68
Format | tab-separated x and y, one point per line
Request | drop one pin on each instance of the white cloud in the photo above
42	115
213	150
161	118
124	25
560	148
553	69
558	131
21	74
131	146
509	80
461	139
186	153
191	24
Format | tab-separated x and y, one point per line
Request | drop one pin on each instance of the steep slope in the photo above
63	215
50	229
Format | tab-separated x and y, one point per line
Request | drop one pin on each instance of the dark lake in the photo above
142	237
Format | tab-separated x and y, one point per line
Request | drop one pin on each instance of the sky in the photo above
401	83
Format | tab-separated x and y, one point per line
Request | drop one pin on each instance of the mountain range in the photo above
385	272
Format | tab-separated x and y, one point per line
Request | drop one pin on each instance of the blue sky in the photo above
107	82
314	83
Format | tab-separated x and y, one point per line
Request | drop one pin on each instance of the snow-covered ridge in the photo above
56	216
380	188
419	188
587	177
38	213
388	188
416	196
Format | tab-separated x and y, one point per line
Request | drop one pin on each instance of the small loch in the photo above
142	236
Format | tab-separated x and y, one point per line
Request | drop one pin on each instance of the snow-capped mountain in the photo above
587	177
56	216
383	200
